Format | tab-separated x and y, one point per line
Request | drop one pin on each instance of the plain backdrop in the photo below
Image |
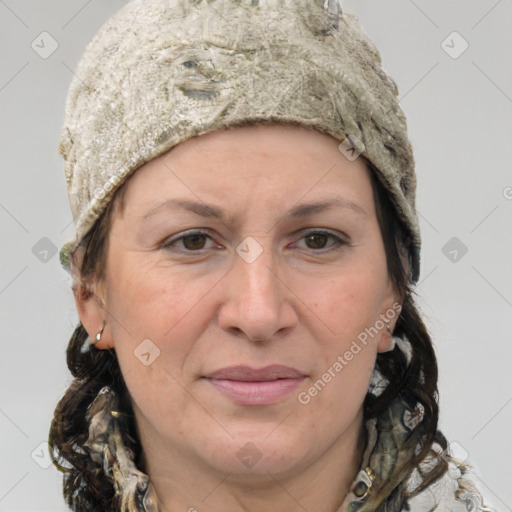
451	61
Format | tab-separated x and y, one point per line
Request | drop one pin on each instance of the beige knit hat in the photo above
162	71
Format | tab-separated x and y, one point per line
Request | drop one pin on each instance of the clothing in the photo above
162	71
455	491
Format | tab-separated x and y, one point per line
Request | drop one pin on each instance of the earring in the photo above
393	339
98	336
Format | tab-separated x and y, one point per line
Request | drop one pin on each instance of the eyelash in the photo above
339	241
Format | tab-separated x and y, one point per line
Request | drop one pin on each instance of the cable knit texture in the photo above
162	71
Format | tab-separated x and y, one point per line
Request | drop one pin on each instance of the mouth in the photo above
249	386
248	374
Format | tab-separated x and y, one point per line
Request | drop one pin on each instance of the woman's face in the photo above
216	261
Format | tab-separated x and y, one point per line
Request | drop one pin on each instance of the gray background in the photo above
459	109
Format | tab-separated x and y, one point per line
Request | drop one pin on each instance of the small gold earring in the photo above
393	341
98	336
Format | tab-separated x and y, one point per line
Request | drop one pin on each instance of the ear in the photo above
90	303
392	306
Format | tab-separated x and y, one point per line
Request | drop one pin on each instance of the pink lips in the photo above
248	386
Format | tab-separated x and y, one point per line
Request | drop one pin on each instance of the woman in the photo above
228	357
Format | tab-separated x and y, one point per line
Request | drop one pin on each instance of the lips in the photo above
248	374
256	387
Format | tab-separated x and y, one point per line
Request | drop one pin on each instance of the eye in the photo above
194	241
316	240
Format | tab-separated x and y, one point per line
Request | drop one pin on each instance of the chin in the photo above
250	456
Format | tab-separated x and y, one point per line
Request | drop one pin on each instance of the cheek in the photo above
350	303
145	310
151	302
157	315
345	308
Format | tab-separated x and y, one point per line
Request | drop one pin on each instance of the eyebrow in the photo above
297	212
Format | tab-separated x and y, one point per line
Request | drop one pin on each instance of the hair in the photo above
85	487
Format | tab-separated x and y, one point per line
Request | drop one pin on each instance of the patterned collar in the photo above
454	491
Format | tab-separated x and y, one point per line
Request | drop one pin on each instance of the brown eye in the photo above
317	240
192	242
197	241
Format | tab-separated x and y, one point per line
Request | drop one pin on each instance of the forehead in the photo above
285	160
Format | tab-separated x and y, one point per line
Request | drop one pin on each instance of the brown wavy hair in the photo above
85	486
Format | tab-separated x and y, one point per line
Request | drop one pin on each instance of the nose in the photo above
258	301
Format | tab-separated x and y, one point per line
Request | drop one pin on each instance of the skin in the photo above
302	302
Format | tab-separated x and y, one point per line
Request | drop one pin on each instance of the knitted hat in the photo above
162	71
